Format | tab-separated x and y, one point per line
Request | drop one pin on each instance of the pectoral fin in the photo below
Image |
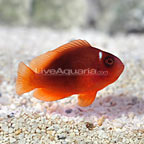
86	99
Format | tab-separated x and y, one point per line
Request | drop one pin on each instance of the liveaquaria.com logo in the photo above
69	72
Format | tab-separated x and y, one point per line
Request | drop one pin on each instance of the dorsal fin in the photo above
40	62
73	44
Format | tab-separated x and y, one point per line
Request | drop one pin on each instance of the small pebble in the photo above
61	136
68	111
12	139
131	115
72	134
118	125
90	126
38	130
17	132
10	115
4	127
112	103
101	120
10	130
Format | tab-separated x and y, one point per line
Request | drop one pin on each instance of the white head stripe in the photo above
100	55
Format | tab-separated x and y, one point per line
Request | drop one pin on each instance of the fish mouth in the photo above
121	69
120	65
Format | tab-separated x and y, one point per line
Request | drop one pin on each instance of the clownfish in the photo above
73	68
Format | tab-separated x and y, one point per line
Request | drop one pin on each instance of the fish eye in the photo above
109	61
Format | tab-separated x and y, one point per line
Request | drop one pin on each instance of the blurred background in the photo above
111	16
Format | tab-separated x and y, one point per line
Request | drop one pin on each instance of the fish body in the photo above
73	68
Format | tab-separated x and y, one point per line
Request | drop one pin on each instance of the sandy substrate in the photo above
116	116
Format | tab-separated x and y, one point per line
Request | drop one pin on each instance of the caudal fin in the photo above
25	78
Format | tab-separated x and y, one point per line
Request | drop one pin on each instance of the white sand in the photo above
119	108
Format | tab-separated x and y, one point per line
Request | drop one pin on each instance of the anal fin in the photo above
48	95
86	99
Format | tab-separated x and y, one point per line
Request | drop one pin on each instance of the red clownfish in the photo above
73	68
